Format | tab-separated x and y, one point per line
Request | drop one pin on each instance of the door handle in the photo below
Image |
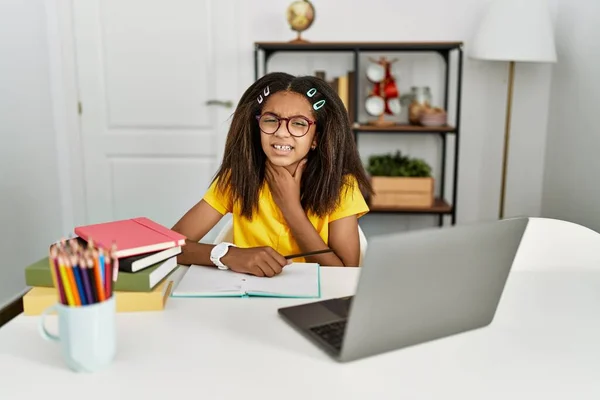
224	103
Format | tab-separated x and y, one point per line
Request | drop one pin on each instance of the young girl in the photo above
292	178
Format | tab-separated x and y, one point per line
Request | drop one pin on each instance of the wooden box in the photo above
402	192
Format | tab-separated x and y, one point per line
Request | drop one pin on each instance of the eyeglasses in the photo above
297	126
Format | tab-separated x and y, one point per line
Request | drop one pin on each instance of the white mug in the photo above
87	334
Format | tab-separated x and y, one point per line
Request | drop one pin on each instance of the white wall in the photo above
30	212
571	184
33	214
484	95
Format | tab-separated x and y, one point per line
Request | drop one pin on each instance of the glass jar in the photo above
420	98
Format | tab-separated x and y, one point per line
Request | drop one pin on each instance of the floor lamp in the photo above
514	31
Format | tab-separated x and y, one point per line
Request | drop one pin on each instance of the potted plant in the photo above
400	181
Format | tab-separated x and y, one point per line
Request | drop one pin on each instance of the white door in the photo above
152	78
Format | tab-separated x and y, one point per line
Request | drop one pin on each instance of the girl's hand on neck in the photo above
285	186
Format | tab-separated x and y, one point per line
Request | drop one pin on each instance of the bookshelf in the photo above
445	203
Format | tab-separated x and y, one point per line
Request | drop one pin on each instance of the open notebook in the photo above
299	280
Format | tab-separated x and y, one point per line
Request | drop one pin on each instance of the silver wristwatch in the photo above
218	252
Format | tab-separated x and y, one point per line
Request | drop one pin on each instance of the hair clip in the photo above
266	92
311	92
319	104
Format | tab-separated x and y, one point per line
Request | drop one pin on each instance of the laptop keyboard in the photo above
332	333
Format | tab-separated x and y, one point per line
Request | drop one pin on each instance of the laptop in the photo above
415	287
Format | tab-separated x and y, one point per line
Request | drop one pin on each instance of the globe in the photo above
300	15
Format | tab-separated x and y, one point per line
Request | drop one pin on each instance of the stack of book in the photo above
146	254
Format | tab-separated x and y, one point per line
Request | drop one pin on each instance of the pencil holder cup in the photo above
86	334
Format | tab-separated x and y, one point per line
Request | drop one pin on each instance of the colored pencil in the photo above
115	261
63	245
102	265
72	281
89	267
81	274
58	284
97	277
61	284
53	255
85	279
108	276
74	245
78	280
103	271
66	281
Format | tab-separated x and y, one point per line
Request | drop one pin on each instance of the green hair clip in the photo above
311	92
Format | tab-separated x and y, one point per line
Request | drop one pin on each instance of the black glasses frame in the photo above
287	123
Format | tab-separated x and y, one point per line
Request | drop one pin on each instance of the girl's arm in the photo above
194	225
343	239
198	221
343	231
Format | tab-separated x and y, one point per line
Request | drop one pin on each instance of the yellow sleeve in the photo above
352	202
222	202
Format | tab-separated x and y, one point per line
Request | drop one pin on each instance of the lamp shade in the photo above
515	30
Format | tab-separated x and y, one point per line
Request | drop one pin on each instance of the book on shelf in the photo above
345	88
39	274
296	280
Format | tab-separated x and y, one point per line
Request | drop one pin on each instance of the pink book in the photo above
132	236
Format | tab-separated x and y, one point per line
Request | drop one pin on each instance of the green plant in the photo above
397	165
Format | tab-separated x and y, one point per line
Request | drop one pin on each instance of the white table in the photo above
543	344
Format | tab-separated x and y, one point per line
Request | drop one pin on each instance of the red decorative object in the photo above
385	96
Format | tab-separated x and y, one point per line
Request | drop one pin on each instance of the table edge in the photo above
11	310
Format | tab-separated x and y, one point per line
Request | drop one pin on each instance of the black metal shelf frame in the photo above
444	49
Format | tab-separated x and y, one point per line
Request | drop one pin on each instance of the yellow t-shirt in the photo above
269	228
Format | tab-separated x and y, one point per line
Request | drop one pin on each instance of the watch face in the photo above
220	250
217	252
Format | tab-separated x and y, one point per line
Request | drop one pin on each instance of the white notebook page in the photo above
204	281
296	279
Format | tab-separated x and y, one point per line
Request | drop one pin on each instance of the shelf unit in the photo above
441	207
